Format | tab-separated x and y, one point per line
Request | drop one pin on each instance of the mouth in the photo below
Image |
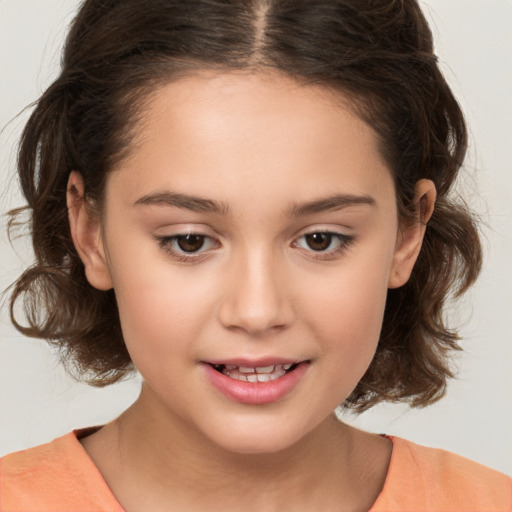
255	373
255	382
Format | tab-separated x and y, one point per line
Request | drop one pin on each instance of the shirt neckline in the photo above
100	483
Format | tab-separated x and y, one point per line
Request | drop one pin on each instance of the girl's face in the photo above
250	235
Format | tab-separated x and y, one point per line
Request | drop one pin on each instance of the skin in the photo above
261	146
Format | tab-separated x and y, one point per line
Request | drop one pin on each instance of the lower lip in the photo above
255	393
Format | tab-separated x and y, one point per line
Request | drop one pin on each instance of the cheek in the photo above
346	312
162	310
350	323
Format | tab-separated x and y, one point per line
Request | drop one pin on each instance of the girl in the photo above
249	202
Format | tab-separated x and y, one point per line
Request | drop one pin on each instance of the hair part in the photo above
378	53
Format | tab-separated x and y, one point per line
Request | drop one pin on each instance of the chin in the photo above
259	438
251	445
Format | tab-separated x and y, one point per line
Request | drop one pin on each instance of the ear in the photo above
410	237
86	233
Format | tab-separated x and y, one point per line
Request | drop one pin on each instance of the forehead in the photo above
219	133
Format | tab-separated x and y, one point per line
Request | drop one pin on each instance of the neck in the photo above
178	465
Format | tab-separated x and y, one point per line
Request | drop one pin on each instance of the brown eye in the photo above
319	241
324	244
190	243
189	247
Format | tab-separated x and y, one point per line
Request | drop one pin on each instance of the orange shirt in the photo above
60	477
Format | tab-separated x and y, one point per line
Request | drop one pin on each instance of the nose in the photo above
256	299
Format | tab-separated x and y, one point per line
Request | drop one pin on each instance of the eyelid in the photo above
345	241
167	244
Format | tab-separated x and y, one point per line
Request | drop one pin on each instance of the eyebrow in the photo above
187	202
335	202
203	205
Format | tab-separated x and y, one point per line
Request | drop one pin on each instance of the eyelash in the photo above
343	243
169	243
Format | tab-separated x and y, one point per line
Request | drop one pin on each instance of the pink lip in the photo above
254	393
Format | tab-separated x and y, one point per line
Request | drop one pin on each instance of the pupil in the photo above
319	241
190	243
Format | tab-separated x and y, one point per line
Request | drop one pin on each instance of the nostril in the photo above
255	302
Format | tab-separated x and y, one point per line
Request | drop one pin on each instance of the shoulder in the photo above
422	478
57	476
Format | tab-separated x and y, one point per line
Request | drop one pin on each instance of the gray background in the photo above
38	401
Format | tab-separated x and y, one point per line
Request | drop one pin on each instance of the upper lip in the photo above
254	363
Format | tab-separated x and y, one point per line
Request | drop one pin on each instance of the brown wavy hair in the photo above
379	53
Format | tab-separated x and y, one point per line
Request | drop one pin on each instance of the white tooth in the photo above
230	367
279	372
245	369
264	369
287	366
237	374
234	374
